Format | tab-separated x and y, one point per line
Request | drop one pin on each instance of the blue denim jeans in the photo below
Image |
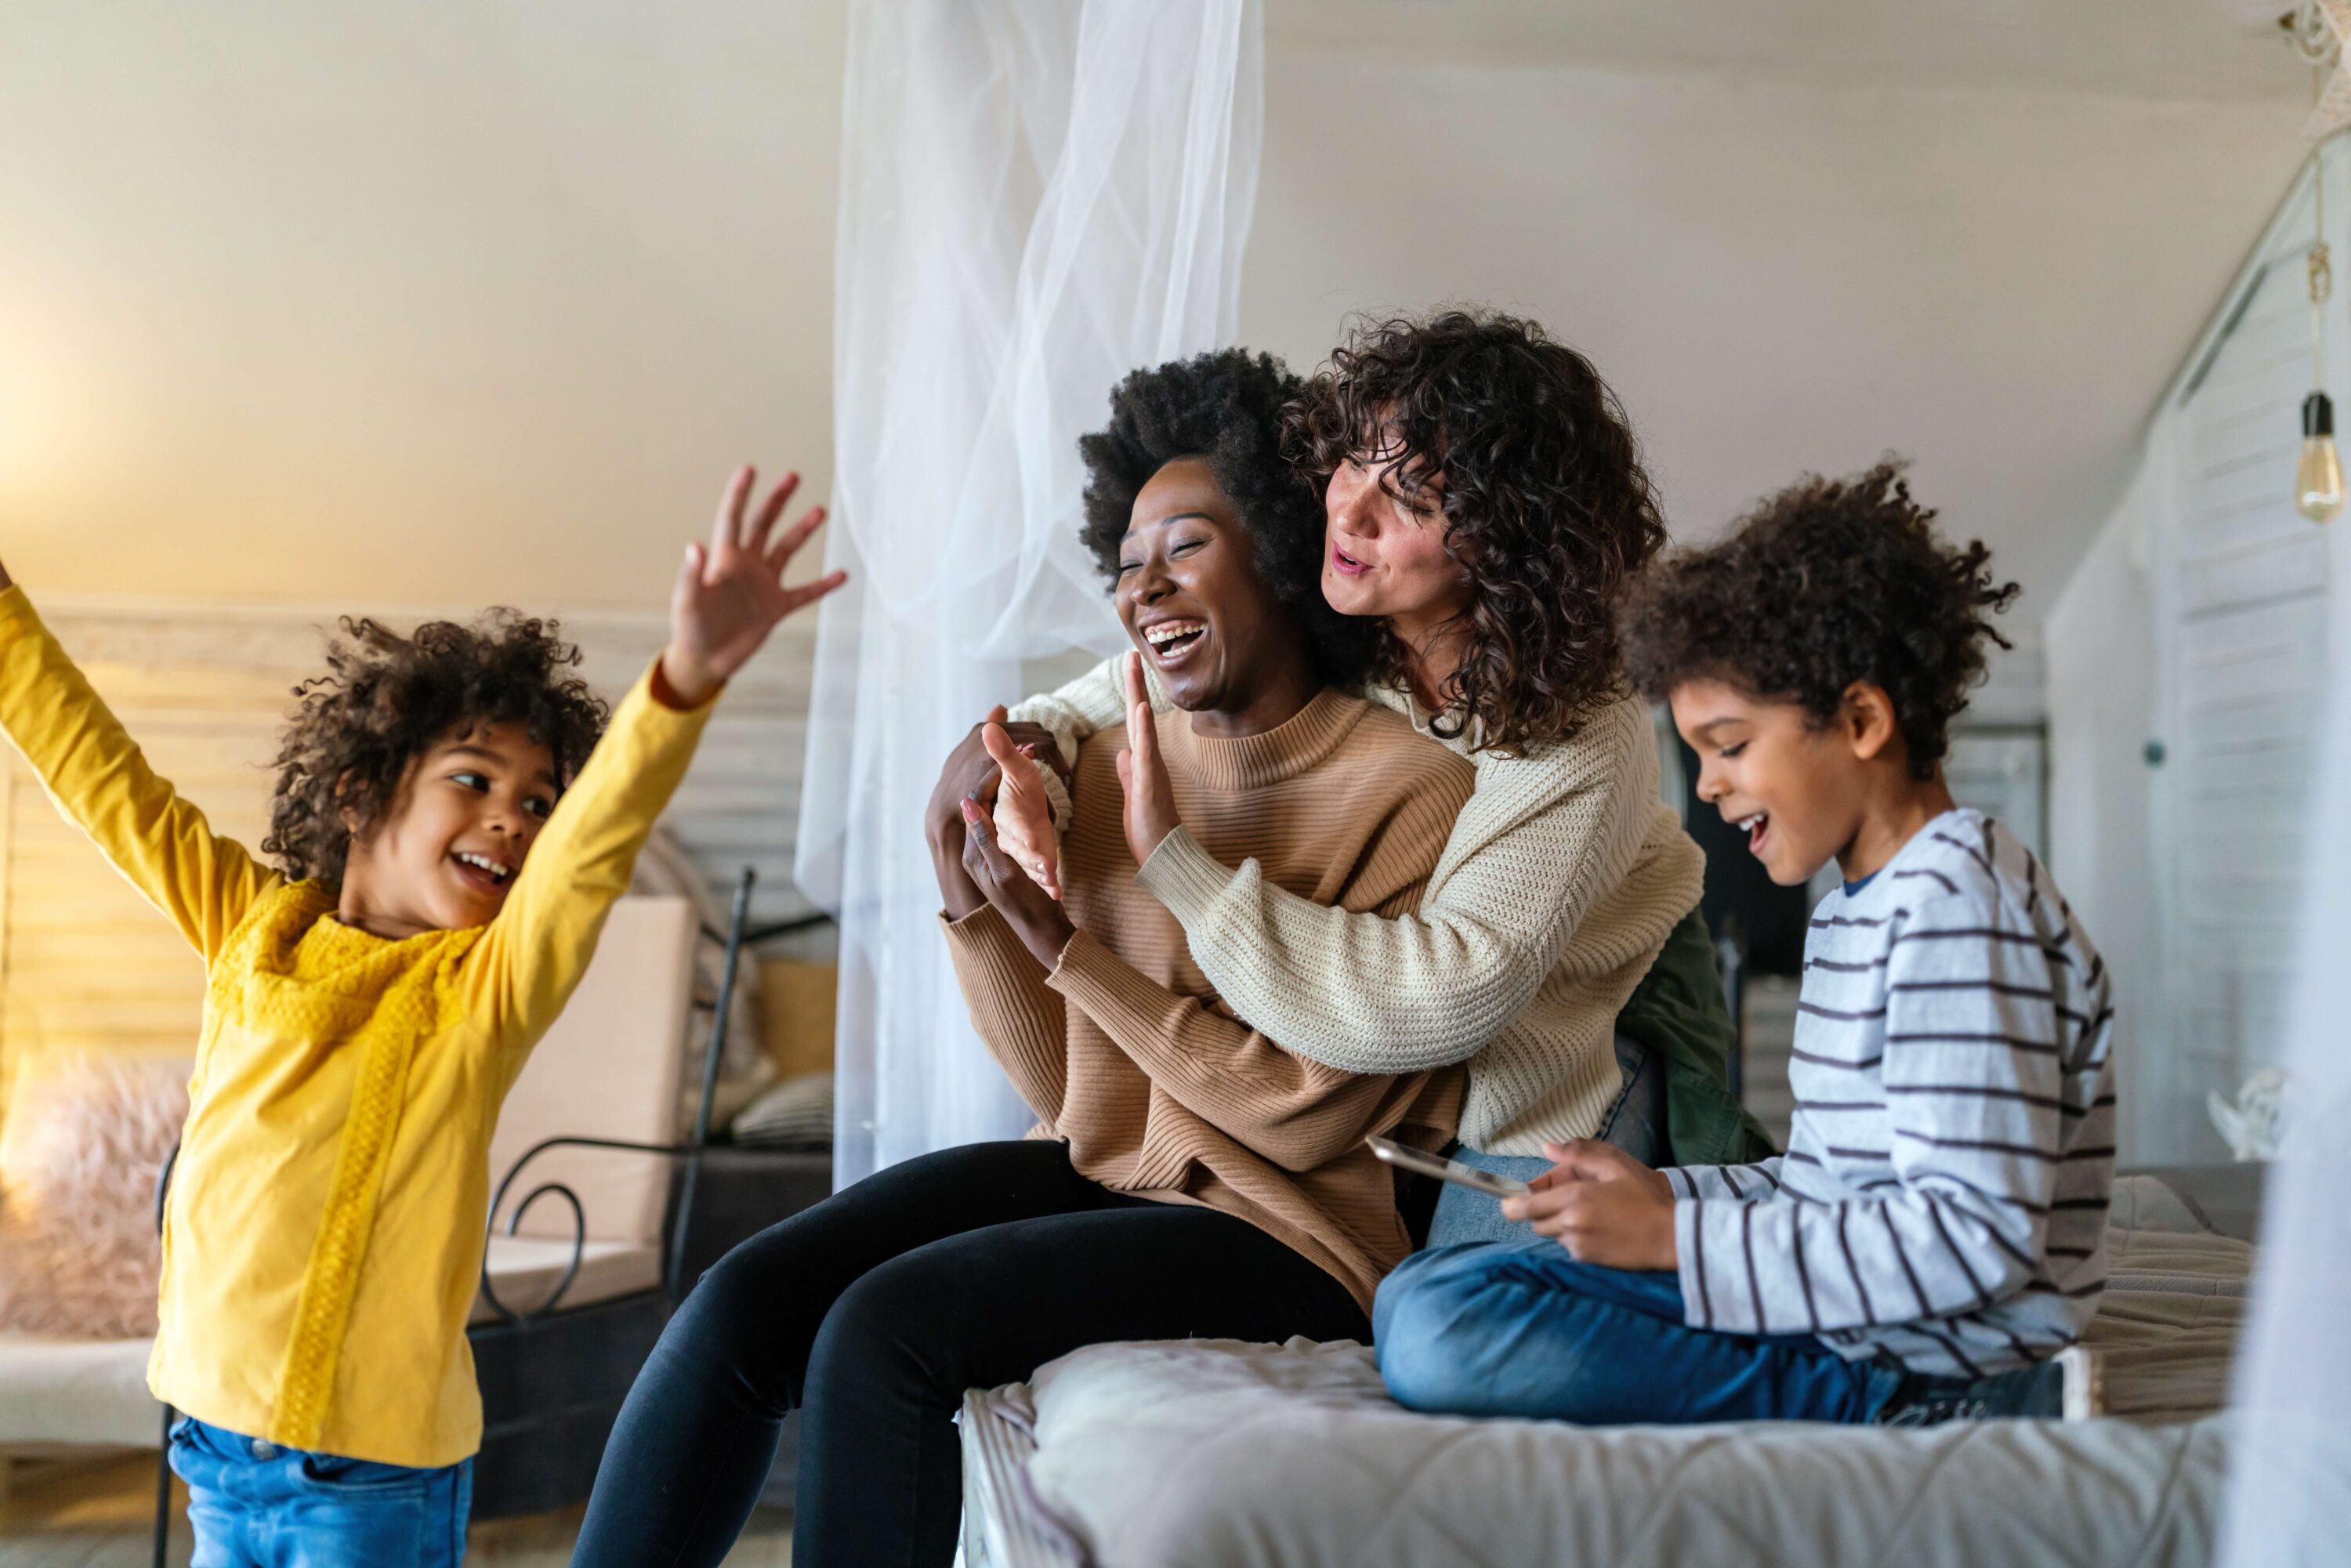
255	1505
1508	1329
1634	1122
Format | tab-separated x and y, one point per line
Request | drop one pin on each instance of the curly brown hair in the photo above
387	699
1226	407
1828	582
1546	504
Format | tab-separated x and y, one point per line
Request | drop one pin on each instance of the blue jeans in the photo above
1634	1122
255	1505
1504	1329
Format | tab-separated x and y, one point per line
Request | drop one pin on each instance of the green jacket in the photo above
1678	1012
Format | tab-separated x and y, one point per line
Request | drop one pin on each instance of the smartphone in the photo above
1471	1177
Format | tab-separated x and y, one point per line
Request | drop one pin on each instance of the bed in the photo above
1214	1454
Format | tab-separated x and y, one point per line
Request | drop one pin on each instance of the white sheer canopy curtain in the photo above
1036	196
2289	1475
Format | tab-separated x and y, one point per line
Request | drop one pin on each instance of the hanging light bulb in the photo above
2318	477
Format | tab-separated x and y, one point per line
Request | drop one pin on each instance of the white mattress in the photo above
1222	1455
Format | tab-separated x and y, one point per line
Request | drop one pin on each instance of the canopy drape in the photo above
1036	197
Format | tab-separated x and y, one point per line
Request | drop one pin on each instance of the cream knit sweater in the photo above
1130	1057
1555	893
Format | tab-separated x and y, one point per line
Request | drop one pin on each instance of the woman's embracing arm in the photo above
1540	844
1298	1114
1091	702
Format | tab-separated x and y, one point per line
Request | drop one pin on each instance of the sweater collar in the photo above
1254	761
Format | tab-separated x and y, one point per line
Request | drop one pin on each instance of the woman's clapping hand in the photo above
1143	772
1035	917
1024	816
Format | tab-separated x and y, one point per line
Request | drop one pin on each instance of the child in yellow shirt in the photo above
447	844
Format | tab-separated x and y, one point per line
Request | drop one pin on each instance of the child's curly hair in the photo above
1828	582
387	699
1224	406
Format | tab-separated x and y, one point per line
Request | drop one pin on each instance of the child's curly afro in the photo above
1828	582
387	699
1225	407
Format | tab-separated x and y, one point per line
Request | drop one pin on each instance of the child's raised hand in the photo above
730	592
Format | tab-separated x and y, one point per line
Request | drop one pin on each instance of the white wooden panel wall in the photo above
85	964
2244	594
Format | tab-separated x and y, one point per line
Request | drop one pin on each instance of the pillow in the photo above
663	868
795	1115
84	1139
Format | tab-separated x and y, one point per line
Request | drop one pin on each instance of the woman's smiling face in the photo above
1190	597
1384	554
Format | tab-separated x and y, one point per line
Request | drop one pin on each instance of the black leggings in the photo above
876	1309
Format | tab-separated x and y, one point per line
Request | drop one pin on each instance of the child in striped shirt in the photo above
1934	1237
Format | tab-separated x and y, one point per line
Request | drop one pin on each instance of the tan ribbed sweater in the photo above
1124	1049
1562	878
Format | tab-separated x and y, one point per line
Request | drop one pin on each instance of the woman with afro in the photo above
1188	1177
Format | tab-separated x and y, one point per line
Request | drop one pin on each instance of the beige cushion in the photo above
607	1069
68	1391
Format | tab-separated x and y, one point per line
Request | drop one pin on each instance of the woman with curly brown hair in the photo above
1484	503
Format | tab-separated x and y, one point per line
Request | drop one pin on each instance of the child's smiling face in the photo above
445	854
1795	784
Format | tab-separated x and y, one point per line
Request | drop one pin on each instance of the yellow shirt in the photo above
323	1241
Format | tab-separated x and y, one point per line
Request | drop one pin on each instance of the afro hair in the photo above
1225	407
1829	582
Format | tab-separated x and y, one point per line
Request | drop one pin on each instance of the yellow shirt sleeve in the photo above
90	767
532	955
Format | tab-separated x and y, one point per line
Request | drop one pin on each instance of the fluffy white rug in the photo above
79	1156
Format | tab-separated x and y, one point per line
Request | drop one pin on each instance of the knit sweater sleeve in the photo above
203	882
1298	1114
1093	702
532	955
1019	1020
1543	839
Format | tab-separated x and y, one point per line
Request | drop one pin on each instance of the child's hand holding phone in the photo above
1603	1204
730	592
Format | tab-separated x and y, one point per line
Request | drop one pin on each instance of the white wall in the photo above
1781	275
417	303
448	301
2101	658
2206	616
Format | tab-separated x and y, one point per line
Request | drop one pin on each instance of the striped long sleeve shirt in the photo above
1943	1200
